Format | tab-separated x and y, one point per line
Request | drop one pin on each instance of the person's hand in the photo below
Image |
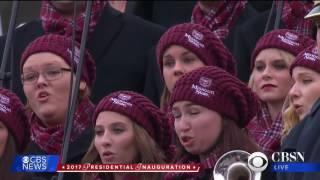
119	5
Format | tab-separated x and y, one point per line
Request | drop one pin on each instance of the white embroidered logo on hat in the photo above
205	82
124	97
289	39
122	100
202	89
291	36
313	56
4	101
315	50
76	57
195	38
196	34
310	56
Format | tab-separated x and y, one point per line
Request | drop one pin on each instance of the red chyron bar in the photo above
128	168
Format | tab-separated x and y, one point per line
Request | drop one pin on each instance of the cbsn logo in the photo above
281	159
34	163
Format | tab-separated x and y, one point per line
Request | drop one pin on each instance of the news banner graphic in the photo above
238	163
51	163
128	168
292	162
35	163
253	164
286	162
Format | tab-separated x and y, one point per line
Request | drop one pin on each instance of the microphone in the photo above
7	47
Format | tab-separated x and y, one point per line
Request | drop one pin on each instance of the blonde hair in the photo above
148	149
288	58
289	117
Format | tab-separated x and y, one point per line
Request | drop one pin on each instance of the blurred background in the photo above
28	10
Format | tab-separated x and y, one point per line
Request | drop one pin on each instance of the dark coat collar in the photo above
106	31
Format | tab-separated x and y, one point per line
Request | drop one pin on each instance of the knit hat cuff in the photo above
206	98
125	108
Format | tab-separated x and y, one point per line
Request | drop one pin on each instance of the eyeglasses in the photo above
50	74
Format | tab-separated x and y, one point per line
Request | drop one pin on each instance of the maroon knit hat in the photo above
216	89
141	110
308	58
13	116
199	40
62	46
284	39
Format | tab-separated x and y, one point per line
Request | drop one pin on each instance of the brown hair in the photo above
149	152
7	158
231	138
164	100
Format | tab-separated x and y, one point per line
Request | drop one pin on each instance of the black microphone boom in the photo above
75	88
7	46
266	29
72	57
279	13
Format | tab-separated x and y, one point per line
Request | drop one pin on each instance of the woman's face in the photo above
305	91
272	80
114	139
177	61
48	98
3	138
197	127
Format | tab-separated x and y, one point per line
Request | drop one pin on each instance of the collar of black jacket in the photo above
315	108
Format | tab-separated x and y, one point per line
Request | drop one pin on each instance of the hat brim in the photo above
315	12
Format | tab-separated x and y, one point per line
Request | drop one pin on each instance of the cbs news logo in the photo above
238	164
258	162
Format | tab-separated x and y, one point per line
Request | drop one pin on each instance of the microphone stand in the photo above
72	65
269	17
3	75
279	13
75	88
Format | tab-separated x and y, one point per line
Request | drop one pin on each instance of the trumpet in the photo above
235	165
